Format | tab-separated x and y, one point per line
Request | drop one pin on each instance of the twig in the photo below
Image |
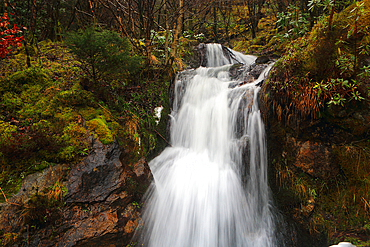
6	199
366	202
163	138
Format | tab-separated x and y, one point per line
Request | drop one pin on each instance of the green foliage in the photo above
337	206
322	74
294	23
39	116
48	112
298	19
104	54
320	69
7	139
339	91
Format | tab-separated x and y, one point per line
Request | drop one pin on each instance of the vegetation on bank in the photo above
319	92
51	110
325	67
95	71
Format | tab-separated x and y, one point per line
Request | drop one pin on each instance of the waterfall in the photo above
210	187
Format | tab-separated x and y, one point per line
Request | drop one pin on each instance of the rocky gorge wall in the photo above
319	174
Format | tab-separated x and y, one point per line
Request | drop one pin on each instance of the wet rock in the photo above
229	55
97	175
247	79
262	59
90	227
104	189
179	86
239	72
257	70
202	54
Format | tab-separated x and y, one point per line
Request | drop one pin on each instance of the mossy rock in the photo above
100	127
30	76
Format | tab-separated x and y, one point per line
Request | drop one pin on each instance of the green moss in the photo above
27	78
40	114
100	127
6	132
89	113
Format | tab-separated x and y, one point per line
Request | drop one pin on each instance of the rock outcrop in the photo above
101	207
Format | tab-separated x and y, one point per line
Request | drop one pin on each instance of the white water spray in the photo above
210	188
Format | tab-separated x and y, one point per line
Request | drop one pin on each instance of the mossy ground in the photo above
265	41
48	112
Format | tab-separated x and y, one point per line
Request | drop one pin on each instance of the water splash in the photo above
210	188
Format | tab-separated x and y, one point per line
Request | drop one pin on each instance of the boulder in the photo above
202	54
262	59
257	69
102	206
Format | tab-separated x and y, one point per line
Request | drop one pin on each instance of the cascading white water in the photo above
206	193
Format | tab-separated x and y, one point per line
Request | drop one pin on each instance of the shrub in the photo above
104	54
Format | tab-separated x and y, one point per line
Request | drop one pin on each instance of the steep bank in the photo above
317	112
72	152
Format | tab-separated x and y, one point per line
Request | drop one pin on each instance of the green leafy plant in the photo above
294	23
339	91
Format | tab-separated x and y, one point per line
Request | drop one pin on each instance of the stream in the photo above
210	187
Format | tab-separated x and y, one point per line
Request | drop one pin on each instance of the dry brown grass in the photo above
293	100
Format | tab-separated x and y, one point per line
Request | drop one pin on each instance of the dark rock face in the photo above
311	162
313	158
96	176
246	73
257	69
102	203
10	220
179	86
239	71
262	59
202	55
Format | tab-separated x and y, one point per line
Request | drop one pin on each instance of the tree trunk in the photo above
215	22
167	38
177	31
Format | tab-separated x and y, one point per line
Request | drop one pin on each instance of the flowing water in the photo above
210	188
